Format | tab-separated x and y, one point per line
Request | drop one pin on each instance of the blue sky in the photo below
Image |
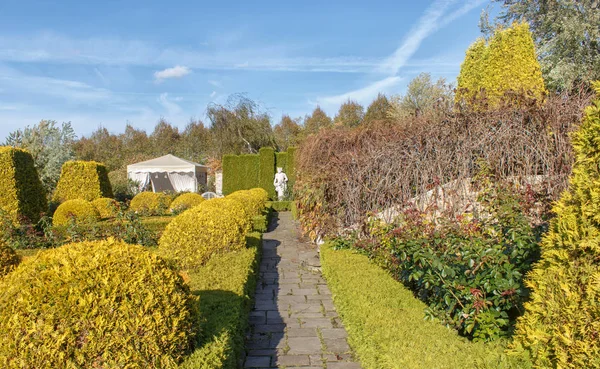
111	62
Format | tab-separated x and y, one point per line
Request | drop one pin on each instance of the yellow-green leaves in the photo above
506	63
150	203
86	180
78	211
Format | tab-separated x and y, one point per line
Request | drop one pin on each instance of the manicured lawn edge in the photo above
225	286
385	321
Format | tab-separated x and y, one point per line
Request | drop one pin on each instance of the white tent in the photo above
168	173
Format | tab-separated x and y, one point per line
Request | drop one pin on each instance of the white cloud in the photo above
172	108
216	83
177	71
213	94
363	95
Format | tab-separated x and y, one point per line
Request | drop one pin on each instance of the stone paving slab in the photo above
293	323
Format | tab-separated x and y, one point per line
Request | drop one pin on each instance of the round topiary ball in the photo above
203	231
80	211
9	260
185	201
107	207
150	203
102	304
235	208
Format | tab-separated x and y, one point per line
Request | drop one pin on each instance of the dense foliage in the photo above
8	259
107	207
22	196
385	322
470	269
567	34
185	201
505	63
86	180
50	145
150	203
125	307
560	327
77	211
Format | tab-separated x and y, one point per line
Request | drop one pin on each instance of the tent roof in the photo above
167	163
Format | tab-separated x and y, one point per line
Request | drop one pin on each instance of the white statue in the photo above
280	183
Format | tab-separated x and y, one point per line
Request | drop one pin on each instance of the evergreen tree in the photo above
316	121
351	114
561	325
378	110
506	63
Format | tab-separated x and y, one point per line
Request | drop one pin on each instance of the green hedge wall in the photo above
244	172
240	172
21	191
267	171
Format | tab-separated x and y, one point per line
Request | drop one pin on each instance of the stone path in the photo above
293	323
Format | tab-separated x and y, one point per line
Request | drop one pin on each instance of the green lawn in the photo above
385	322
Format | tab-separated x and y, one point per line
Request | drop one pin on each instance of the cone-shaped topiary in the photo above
561	324
8	260
203	231
185	201
150	203
79	211
107	207
103	304
21	191
86	180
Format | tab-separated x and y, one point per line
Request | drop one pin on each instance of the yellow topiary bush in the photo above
253	200
203	231
81	211
234	208
107	207
103	304
86	180
21	192
8	260
185	201
561	324
150	203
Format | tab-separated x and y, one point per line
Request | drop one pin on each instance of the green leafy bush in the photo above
240	172
197	234
385	322
86	180
77	211
21	193
254	200
107	207
225	285
468	270
267	170
280	205
8	259
260	223
150	203
184	202
124	307
561	324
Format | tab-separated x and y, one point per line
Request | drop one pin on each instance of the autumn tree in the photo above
101	146
317	120
195	142
378	110
351	114
506	62
423	97
240	126
165	138
287	132
567	35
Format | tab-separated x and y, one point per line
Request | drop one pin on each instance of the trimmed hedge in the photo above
107	207
102	304
254	200
225	285
280	205
243	172
240	172
9	259
80	211
150	203
385	322
185	201
197	234
22	195
86	180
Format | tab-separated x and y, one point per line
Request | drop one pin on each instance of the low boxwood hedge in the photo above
225	285
386	326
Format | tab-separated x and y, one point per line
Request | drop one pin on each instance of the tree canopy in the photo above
351	114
